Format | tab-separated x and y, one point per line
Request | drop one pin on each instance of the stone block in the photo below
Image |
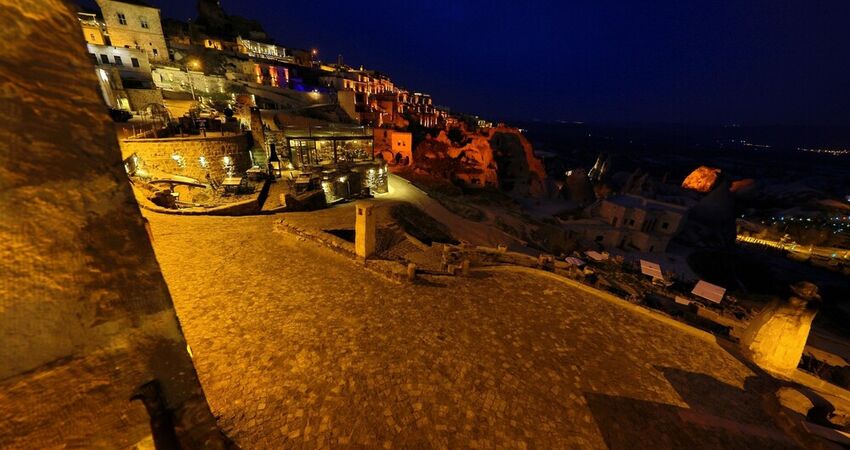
776	337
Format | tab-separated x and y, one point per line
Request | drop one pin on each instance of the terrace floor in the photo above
297	346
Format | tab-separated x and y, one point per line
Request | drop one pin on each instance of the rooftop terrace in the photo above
300	346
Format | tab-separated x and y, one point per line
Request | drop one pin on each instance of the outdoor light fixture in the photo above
179	160
203	161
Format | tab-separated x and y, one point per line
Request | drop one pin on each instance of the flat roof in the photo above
333	131
708	291
650	268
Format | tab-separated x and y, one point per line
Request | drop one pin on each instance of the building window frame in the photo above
118	61
134	62
144	23
104	59
122	18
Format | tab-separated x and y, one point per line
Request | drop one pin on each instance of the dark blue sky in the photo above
704	62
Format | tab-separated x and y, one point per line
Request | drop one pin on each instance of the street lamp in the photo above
195	65
274	161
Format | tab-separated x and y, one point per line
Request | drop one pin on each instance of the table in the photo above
255	173
231	184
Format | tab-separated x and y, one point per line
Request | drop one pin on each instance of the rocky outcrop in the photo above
85	314
578	188
499	157
776	337
714	215
702	179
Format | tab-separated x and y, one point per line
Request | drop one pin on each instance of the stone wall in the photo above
139	98
182	156
132	34
85	315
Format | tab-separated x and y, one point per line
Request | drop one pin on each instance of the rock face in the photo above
496	157
577	187
702	179
712	219
85	315
776	337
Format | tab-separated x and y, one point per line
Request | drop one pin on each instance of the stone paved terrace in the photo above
298	347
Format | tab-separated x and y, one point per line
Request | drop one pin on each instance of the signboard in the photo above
650	268
708	291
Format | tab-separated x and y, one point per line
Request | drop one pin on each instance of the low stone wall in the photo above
194	157
391	270
242	208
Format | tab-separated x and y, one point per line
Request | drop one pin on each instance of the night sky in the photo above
700	62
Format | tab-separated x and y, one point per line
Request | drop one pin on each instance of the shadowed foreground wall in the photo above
85	315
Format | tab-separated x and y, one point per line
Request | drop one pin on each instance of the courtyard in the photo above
297	346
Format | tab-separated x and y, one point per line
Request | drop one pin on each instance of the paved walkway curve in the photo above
463	229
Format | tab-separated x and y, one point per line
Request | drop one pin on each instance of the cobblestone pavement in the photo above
299	347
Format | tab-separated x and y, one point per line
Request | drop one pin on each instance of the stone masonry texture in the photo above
85	315
158	154
299	347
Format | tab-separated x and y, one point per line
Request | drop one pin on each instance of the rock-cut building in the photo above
632	222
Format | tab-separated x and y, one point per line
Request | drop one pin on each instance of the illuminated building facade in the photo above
395	147
94	29
124	75
135	24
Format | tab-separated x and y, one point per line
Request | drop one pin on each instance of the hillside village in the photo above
217	103
323	258
216	118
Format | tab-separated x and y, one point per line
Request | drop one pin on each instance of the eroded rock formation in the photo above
498	157
702	179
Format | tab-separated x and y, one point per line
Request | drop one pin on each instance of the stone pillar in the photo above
776	337
411	272
364	230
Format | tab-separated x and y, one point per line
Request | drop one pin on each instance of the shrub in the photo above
120	115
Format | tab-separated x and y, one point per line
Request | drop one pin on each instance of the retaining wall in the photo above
182	156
